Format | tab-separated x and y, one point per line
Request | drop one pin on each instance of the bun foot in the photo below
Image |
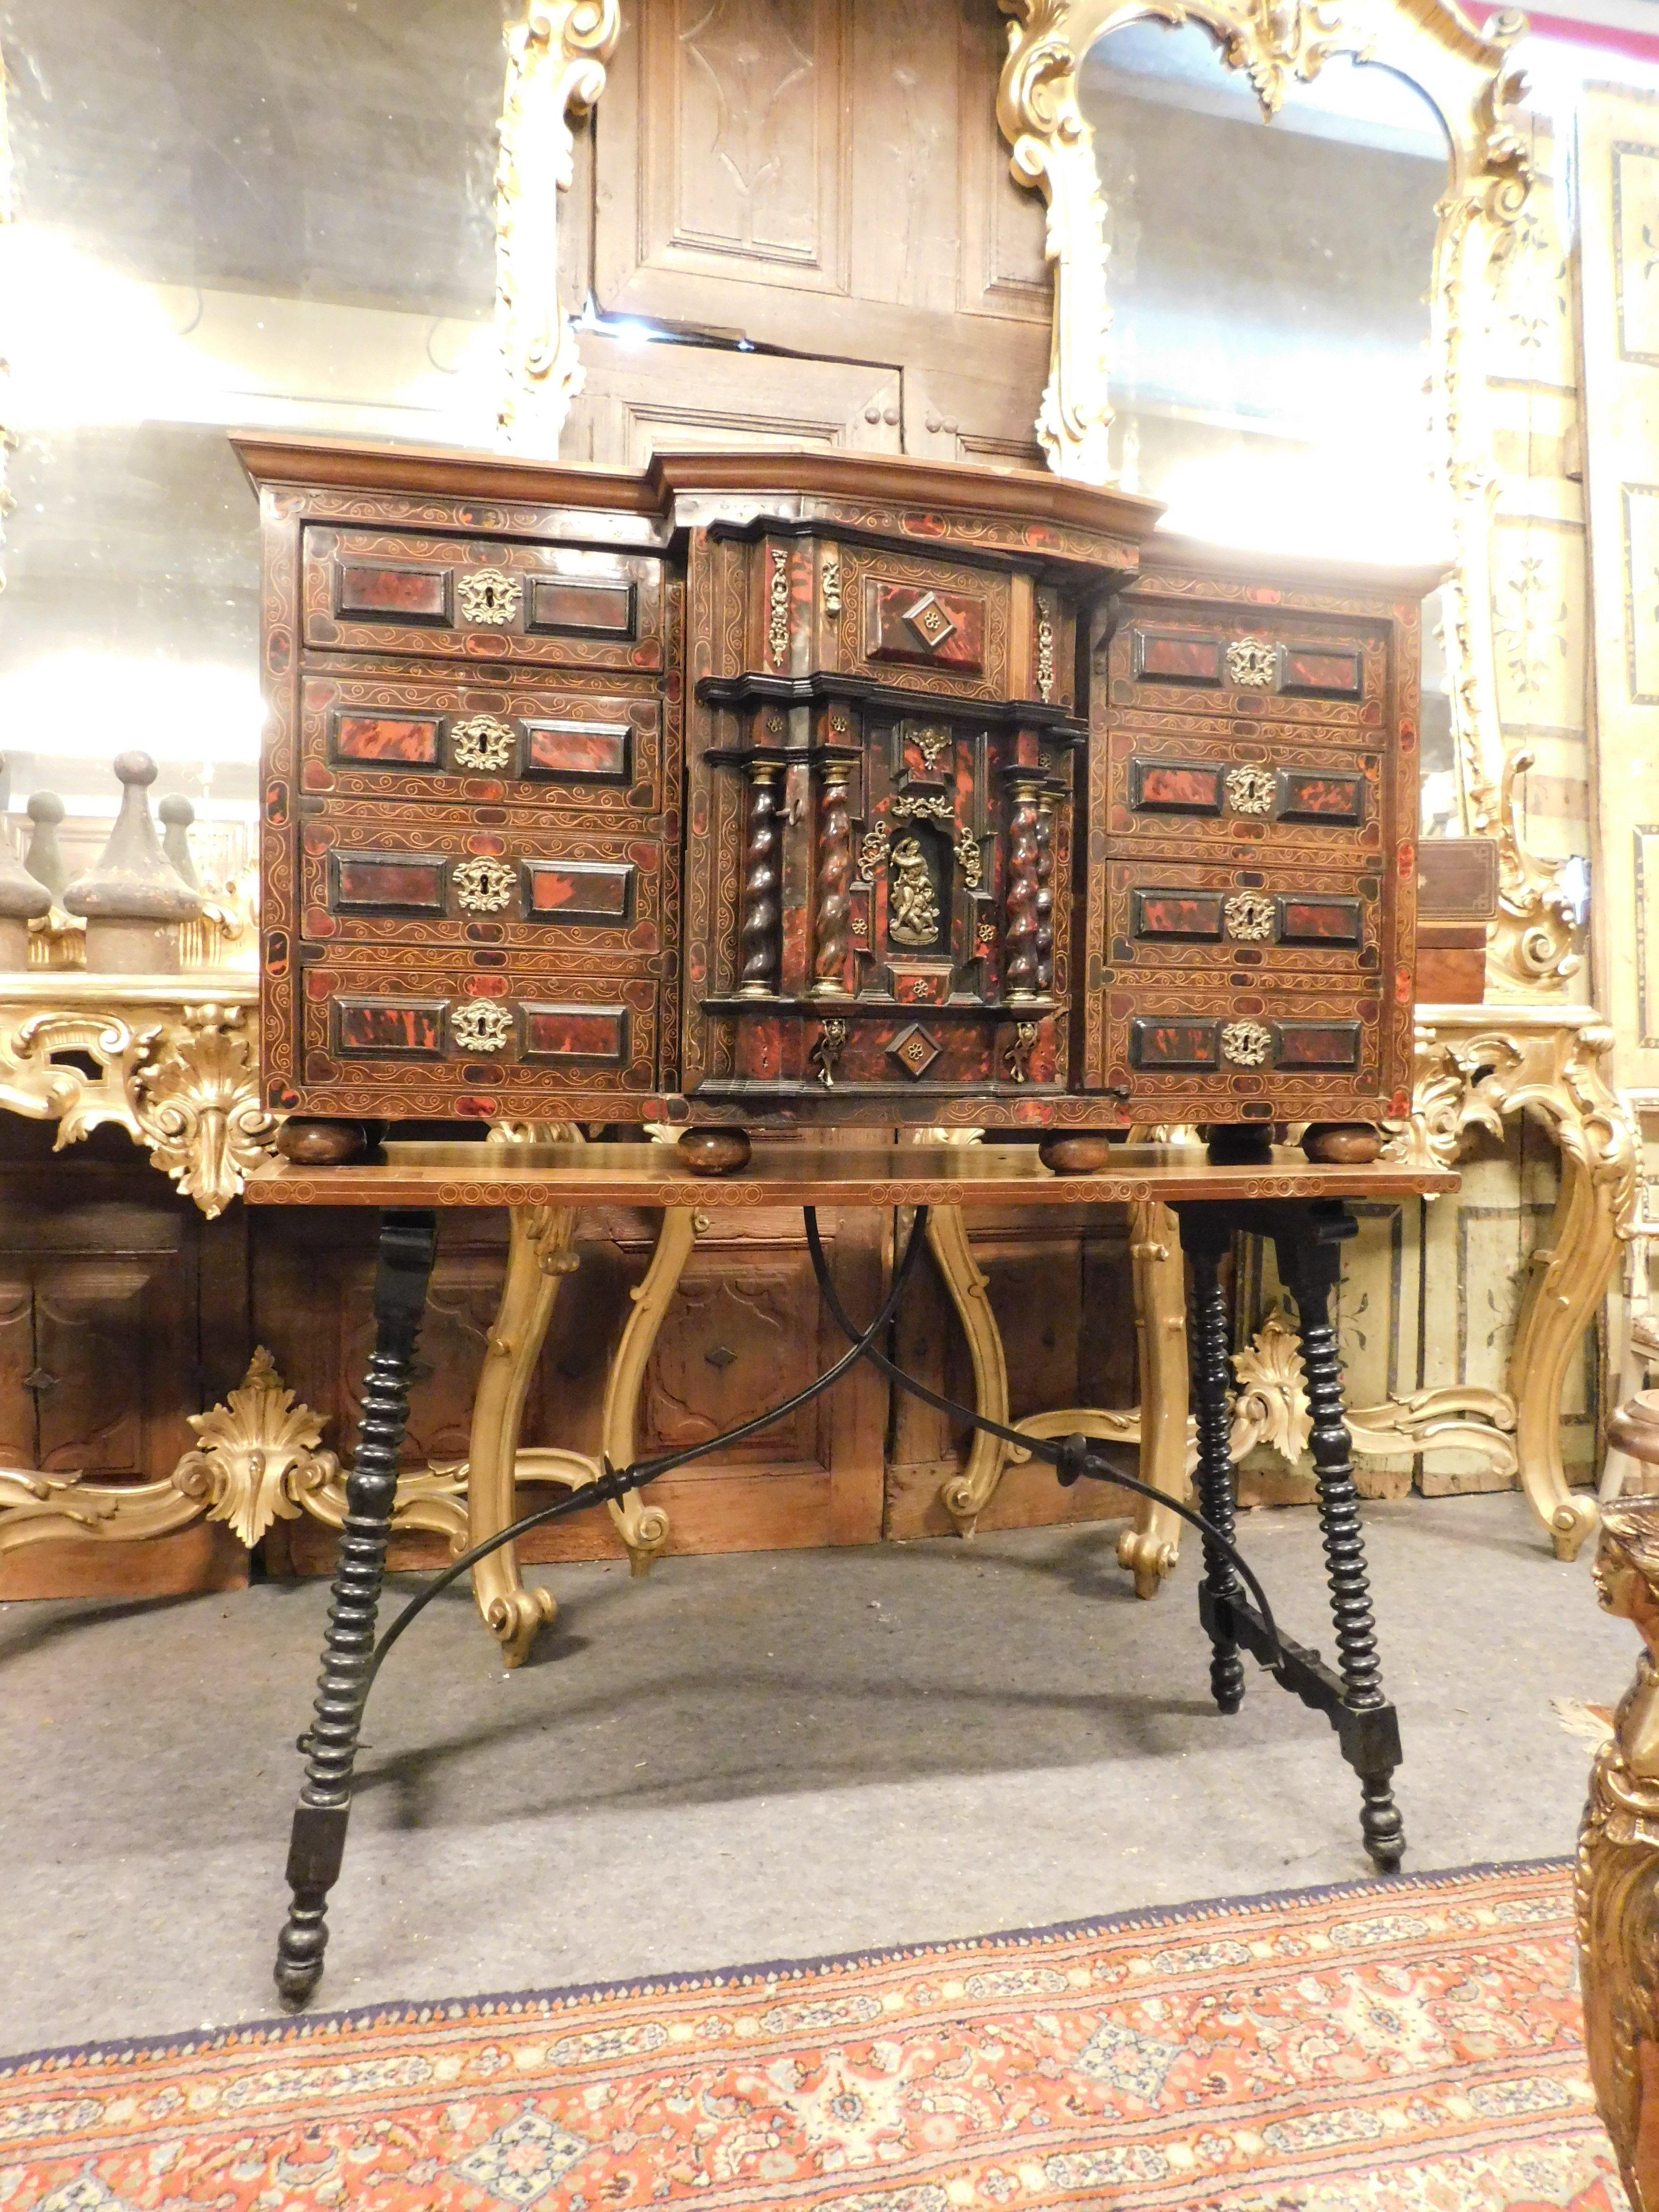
714	1151
1081	1152
1341	1143
319	1144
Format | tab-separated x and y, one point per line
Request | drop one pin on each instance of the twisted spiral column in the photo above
1044	906
831	934
1206	1243
1019	965
408	1245
763	877
1309	1264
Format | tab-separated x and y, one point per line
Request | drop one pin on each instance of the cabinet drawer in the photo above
1191	1046
434	1021
376	874
1272	925
411	738
381	591
1329	673
935	626
1174	792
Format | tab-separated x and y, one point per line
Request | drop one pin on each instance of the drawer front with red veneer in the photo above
491	1041
409	737
1270	665
481	599
1273	926
1172	792
377	874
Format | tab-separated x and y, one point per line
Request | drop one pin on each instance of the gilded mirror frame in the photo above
1470	81
557	53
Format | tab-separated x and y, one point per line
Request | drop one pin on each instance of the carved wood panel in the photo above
1065	1308
19	1436
829	178
685	398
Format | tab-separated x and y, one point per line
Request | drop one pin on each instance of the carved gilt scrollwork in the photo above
556	55
1475	1066
257	1459
177	1072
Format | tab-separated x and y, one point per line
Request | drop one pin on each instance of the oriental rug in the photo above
1394	2046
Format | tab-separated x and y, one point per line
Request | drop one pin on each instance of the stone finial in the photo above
134	879
135	898
177	814
21	899
44	858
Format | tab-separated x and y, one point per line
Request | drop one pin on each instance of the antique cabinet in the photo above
781	788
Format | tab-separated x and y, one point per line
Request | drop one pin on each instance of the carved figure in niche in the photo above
912	902
1617	1875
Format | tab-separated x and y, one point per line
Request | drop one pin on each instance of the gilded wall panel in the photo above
1476	1257
1619	222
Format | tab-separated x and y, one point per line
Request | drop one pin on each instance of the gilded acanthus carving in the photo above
1616	1888
176	1070
257	1459
1535	947
257	1455
556	55
197	1100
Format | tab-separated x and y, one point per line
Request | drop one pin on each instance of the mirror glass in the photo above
1269	287
274	215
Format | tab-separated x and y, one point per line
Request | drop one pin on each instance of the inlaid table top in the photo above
652	1175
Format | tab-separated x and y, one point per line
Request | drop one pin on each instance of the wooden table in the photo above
1302	1207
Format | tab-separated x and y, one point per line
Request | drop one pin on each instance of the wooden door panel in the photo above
824	176
720	145
745	1334
953	416
676	397
115	1357
1003	270
19	1436
314	1309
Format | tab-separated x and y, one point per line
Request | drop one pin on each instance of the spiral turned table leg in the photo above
1206	1239
408	1244
1309	1259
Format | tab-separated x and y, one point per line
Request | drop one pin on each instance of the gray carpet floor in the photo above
772	1756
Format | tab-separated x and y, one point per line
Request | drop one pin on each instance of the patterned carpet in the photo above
1405	2046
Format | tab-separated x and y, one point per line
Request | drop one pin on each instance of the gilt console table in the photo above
1302	1207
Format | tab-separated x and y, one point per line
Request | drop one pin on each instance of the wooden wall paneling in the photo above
905	129
105	1348
953	416
721	149
821	192
637	399
1002	270
1618	206
744	1329
1065	1307
313	1307
20	1430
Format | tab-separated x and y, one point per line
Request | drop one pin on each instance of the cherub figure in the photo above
913	904
1618	1876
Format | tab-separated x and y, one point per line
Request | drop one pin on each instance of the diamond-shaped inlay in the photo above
522	2160
914	1050
930	622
